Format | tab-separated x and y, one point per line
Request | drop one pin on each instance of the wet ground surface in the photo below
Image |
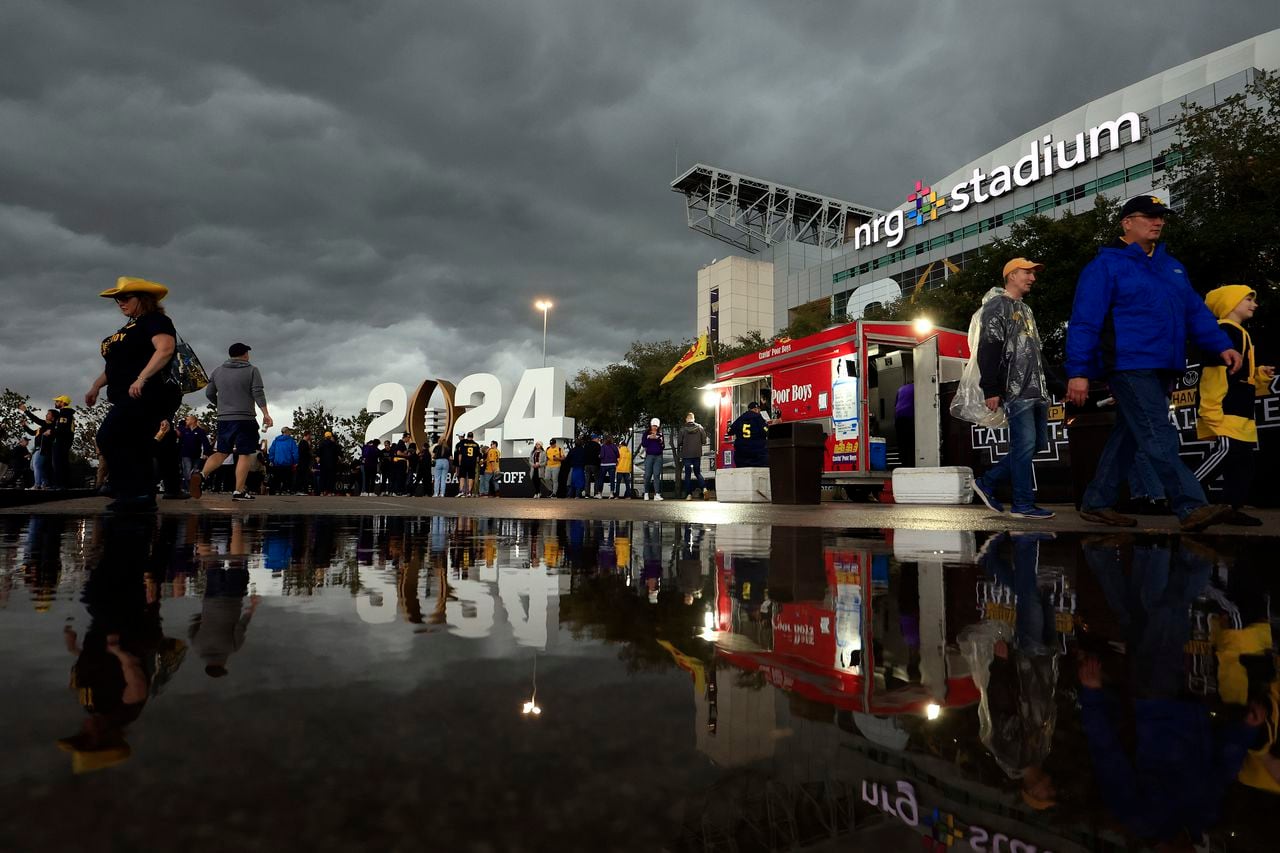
250	682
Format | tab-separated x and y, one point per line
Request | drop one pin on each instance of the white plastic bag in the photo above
970	404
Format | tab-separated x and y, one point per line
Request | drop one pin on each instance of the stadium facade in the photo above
843	256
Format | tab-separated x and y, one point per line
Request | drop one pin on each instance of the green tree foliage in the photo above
11	420
1225	178
349	430
1063	245
317	419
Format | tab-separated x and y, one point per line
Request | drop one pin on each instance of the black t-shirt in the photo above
468	454
127	352
64	425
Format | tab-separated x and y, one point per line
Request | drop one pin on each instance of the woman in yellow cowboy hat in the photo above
136	360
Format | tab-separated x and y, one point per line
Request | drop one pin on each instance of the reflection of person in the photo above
750	432
218	632
1134	310
1013	377
135	358
1016	670
1171	788
123	657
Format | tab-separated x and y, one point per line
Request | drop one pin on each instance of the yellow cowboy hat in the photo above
127	284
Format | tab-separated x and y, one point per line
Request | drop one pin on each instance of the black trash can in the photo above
795	462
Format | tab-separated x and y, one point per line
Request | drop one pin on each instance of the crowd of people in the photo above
1133	313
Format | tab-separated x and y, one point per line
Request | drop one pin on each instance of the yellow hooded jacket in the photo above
1226	401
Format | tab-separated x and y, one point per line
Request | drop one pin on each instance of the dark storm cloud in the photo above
378	191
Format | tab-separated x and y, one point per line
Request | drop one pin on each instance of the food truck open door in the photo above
928	408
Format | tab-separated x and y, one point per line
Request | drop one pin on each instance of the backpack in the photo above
186	373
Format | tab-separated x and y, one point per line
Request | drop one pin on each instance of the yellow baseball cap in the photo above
127	284
1020	264
63	399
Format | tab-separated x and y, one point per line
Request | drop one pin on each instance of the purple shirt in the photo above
904	406
653	444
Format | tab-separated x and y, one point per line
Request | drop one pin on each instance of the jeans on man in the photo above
693	469
1142	420
189	466
608	474
623	485
591	473
1028	434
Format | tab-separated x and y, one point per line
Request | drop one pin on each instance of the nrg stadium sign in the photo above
1045	157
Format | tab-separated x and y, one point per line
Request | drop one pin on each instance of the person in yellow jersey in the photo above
551	479
623	474
1226	414
492	477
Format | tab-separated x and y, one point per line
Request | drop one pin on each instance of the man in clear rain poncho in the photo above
1011	376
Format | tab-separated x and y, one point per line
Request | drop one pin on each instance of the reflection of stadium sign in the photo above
480	403
942	829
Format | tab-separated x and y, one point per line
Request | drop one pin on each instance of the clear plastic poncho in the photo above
970	404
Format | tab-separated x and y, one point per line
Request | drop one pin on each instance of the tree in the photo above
1225	174
605	401
12	420
317	419
349	430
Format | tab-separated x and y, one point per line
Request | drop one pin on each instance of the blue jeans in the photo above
1028	433
693	467
440	471
653	475
1142	420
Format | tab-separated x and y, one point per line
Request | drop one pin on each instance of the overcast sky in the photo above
378	191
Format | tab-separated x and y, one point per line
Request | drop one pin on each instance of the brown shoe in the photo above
195	486
1108	516
1202	517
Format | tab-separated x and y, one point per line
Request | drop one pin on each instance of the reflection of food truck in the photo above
847	378
838	624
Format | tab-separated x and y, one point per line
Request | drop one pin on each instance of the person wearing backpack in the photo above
135	358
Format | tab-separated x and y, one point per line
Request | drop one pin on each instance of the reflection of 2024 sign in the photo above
481	403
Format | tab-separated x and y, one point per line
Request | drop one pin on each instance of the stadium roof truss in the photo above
753	214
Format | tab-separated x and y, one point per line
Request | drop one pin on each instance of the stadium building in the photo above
806	248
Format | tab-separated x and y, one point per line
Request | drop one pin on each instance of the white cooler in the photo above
952	485
743	485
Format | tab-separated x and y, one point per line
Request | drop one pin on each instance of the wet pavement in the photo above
252	681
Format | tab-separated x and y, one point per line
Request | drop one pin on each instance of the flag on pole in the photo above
696	353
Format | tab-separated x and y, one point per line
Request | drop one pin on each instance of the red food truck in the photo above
847	378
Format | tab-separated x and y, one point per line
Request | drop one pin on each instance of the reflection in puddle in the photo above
988	692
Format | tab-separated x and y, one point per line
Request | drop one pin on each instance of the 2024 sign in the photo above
533	412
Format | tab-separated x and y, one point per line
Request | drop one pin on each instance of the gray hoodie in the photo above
692	438
234	387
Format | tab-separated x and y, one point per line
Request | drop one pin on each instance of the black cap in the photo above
753	405
237	350
1148	205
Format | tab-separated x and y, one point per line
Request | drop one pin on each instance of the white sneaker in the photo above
688	497
657	497
646	496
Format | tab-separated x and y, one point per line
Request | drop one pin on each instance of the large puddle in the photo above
329	683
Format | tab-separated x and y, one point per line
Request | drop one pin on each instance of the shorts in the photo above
240	437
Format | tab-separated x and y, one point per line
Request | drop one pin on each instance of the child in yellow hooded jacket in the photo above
1226	414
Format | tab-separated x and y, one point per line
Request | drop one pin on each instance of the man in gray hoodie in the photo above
234	388
692	439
